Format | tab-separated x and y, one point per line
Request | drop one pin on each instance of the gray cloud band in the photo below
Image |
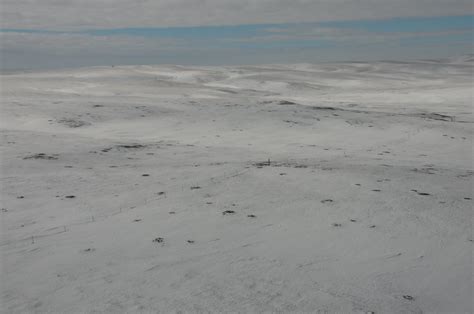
84	14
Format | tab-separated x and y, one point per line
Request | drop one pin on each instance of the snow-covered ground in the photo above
313	188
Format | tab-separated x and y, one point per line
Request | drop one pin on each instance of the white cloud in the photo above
312	33
45	51
79	44
33	51
83	14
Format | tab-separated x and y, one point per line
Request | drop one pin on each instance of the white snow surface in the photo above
358	176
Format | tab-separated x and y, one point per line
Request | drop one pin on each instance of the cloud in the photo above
81	44
280	43
56	50
315	33
90	14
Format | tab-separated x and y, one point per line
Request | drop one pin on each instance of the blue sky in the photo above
396	38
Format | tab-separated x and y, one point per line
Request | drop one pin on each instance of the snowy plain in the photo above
322	188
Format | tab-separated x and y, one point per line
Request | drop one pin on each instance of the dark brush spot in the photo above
42	156
408	297
337	225
327	201
263	164
287	102
190	241
209	203
322	108
137	220
358	184
468	198
172	213
353	220
228	212
158	240
283	174
251	216
89	250
132	146
376	190
73	123
161	193
70	196
423	193
195	187
20	197
372	226
145	175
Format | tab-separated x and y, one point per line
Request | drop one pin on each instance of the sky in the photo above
69	33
